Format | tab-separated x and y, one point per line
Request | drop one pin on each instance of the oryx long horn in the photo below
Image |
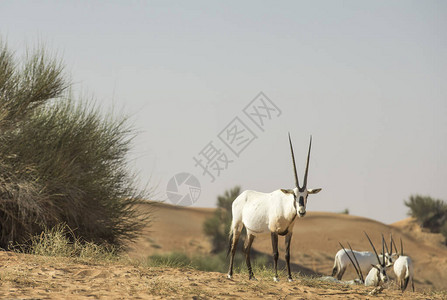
307	164
383	251
355	267
358	265
386	246
401	247
294	165
372	245
395	247
391	244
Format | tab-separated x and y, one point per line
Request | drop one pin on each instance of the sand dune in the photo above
314	243
172	228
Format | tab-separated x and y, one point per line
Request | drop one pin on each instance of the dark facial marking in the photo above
301	201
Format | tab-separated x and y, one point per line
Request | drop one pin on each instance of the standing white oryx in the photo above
377	274
365	259
275	212
403	268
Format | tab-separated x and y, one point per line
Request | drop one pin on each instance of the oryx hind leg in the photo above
402	284
405	283
248	243
334	270
234	238
341	272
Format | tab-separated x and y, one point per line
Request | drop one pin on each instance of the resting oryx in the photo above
365	258
403	268
377	274
275	212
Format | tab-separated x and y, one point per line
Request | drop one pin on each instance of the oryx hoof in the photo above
275	279
229	276
290	279
252	277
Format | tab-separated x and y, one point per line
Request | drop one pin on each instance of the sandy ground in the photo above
31	277
315	242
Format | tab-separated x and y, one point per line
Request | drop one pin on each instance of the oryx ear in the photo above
287	191
313	191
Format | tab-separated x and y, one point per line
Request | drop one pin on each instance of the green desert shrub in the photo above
430	213
345	211
61	160
217	227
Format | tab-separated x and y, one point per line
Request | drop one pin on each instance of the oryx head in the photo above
381	266
390	257
301	193
381	273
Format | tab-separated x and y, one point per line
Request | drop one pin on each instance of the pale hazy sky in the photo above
366	78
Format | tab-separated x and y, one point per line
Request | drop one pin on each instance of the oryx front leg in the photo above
247	247
288	239
275	254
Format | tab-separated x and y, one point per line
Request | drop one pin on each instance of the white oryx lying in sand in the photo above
403	268
377	274
365	259
273	212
